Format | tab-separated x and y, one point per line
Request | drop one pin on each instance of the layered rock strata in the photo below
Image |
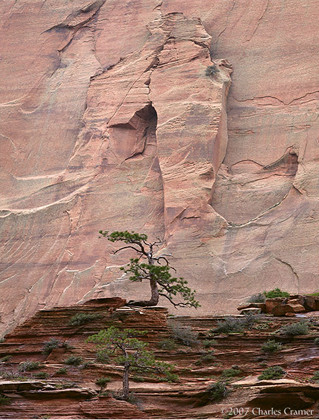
58	389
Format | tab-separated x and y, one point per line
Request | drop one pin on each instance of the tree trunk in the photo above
154	290
126	386
154	297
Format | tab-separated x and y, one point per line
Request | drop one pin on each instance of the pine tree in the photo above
156	269
123	348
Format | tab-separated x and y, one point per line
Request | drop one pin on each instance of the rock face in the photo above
58	389
119	116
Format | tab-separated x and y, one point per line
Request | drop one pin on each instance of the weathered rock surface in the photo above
74	394
108	120
280	306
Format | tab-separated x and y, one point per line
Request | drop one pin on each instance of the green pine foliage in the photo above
124	348
169	286
273	372
276	293
157	269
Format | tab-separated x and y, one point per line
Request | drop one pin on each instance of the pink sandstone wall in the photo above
109	121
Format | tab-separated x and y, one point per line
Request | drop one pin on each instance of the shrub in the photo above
61	371
206	358
258	298
5	358
276	293
50	345
28	366
86	365
315	376
316	341
229	373
229	325
4	400
271	346
237	325
209	343
73	360
211	70
297	328
167	344
273	372
83	318
12	376
169	377
41	375
216	391
262	326
249	320
184	335
65	345
136	378
103	381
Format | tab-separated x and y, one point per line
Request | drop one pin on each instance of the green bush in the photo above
230	373
73	360
61	371
169	377
229	325
271	346
276	293
103	381
297	328
273	372
86	365
136	378
316	341
235	325
4	400
12	376
184	335
65	345
50	345
209	343
258	298
83	318
167	344
315	376
216	392
28	366
5	358
41	375
206	358
211	70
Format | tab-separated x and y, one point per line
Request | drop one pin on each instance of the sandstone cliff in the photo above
109	119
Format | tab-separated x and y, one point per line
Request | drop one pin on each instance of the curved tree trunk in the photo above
154	297
154	289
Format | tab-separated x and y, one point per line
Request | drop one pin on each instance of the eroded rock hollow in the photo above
194	123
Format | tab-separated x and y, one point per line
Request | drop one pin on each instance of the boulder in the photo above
311	303
284	309
243	306
271	303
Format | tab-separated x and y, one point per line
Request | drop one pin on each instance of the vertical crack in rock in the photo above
295	274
